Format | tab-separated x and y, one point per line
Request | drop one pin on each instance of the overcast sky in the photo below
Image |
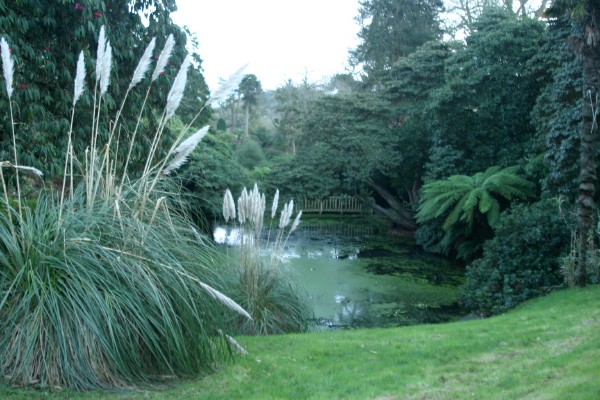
278	39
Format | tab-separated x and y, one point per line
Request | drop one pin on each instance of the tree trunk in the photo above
247	124
397	213
589	130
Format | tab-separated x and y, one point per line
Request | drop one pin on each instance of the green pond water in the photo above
356	276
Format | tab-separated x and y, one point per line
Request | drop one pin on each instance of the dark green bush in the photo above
521	261
208	173
250	154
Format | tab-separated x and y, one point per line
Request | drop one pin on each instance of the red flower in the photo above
21	86
97	14
47	49
78	7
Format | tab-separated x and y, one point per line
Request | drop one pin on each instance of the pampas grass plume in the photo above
284	219
188	145
165	54
296	222
275	204
228	87
7	66
143	65
185	149
176	93
100	53
79	79
21	167
228	206
106	67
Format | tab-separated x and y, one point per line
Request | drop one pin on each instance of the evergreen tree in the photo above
46	38
585	39
391	29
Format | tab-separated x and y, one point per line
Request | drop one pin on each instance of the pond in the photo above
357	276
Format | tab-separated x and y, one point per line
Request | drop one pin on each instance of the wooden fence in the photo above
339	230
335	204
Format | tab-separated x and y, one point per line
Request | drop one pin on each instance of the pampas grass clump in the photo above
104	284
262	282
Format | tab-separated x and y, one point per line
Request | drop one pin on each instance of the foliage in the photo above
470	205
262	282
585	37
557	113
250	88
293	103
86	303
482	113
307	174
46	37
391	29
522	261
209	172
250	155
107	283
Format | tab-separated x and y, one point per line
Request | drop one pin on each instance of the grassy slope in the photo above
548	348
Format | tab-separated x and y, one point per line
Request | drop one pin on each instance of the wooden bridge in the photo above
334	204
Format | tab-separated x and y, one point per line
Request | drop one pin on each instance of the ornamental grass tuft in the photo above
262	281
105	282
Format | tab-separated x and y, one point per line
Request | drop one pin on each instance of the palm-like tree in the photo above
585	18
471	205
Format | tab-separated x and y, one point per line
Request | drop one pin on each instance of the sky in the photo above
278	39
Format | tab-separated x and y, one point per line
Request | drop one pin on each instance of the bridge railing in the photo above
335	204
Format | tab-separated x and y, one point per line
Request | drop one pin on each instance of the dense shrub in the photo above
250	154
209	172
521	261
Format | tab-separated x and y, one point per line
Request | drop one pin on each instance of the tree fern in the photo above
470	203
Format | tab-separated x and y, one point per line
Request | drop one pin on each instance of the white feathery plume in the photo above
231	206
21	167
165	54
185	149
106	67
283	217
259	214
226	213
241	211
79	78
30	169
243	206
286	214
228	206
253	204
296	222
225	300
143	65
7	66
192	141
227	87
176	93
100	53
176	163
275	203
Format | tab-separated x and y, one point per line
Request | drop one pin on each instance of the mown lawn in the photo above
548	348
